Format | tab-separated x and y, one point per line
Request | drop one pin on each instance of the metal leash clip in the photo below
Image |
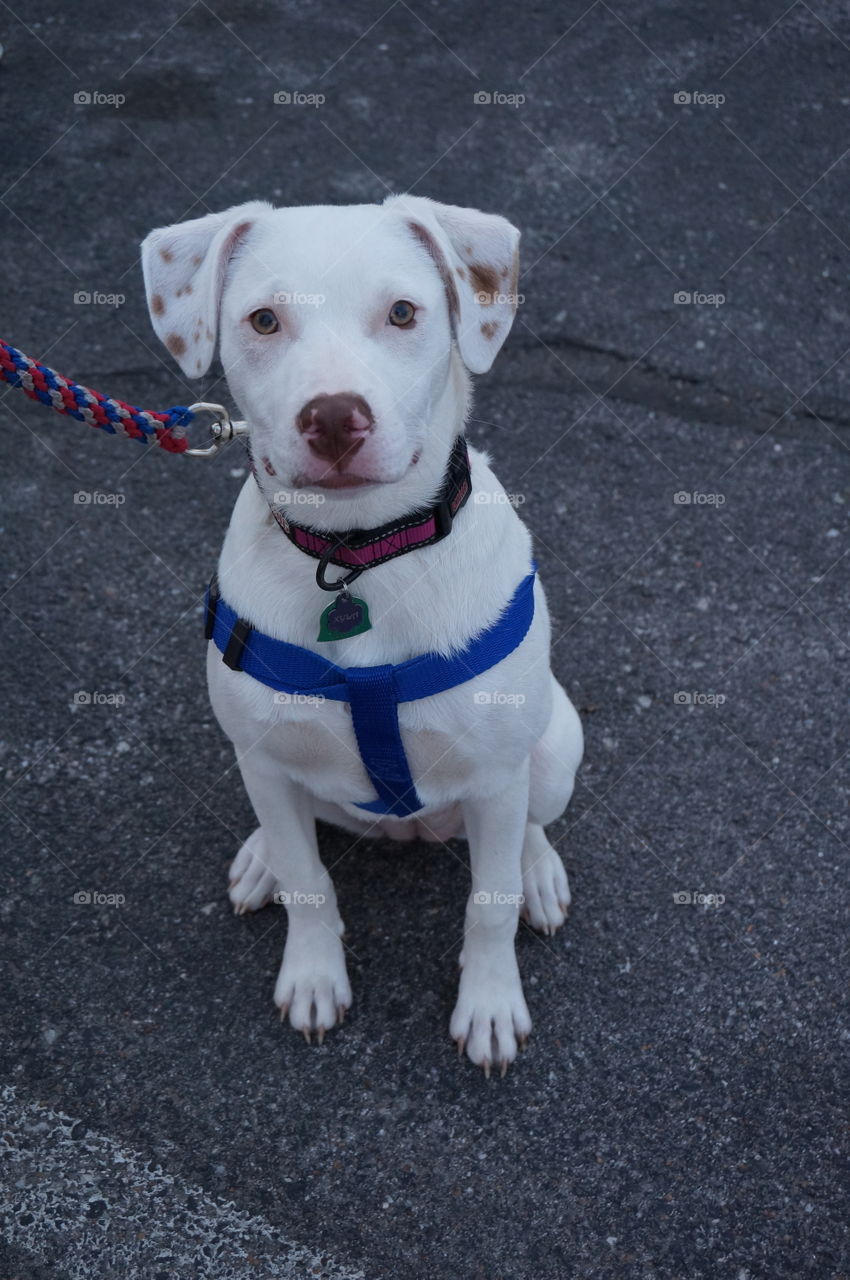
222	428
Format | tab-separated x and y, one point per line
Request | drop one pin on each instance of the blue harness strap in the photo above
373	693
374	711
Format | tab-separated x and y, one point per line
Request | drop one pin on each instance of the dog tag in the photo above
347	616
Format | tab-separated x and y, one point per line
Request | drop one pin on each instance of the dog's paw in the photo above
312	986
491	1019
252	885
545	888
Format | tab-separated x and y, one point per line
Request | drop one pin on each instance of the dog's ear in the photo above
477	254
184	267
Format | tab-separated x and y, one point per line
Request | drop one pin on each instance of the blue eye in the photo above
401	314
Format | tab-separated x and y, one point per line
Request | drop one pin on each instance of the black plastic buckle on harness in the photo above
239	632
232	656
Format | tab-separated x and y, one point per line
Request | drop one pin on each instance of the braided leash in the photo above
49	387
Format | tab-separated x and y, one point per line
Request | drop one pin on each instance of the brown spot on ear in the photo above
157	304
187	289
429	243
196	259
166	255
210	334
489	329
179	293
485	281
175	344
198	364
461	272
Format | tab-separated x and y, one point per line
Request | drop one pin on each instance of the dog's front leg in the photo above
491	1017
282	857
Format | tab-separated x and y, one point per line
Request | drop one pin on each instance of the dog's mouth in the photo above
334	480
343	480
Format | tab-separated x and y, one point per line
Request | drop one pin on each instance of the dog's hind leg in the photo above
545	887
554	761
251	880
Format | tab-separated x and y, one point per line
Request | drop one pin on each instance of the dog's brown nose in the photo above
336	426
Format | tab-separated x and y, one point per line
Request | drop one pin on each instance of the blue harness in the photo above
373	693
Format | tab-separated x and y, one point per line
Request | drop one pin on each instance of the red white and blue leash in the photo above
167	429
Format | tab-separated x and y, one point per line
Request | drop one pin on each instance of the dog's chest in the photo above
318	746
451	742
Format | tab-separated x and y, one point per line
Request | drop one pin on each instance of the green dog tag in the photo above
347	616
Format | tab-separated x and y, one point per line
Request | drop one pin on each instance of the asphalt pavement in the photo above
673	405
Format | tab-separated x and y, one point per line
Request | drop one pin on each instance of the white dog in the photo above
346	335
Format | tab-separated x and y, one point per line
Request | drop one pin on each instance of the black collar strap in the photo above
359	549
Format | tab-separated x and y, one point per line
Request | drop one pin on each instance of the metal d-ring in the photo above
325	560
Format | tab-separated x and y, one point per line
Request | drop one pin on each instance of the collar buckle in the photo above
443	518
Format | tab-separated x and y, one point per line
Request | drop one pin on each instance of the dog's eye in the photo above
264	321
401	314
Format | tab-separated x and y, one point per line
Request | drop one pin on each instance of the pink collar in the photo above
361	549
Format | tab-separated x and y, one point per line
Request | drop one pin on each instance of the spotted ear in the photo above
477	254
184	268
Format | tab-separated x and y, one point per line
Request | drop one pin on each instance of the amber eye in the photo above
264	321
401	314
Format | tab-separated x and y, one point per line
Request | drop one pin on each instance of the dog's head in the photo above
339	330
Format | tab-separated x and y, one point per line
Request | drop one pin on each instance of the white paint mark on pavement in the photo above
81	1202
